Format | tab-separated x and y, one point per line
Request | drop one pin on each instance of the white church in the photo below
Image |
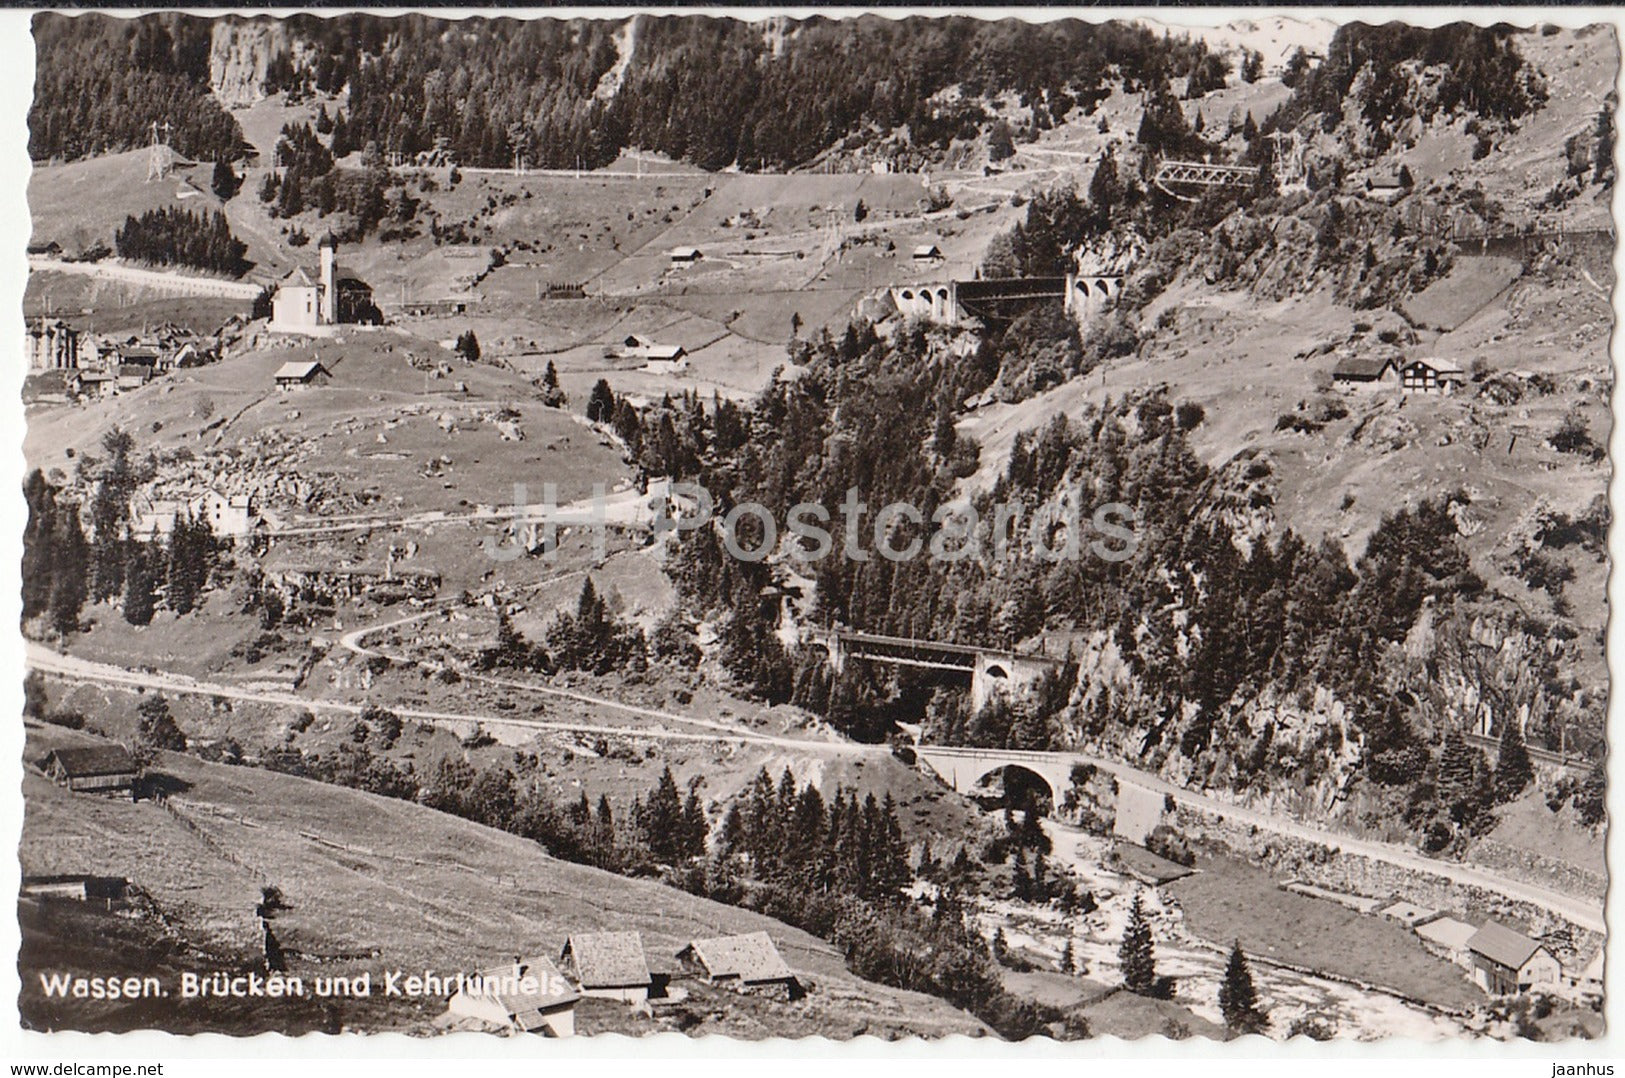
317	308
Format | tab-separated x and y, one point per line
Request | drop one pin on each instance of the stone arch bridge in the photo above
1002	299
991	672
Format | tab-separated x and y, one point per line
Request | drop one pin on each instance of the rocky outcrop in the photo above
239	57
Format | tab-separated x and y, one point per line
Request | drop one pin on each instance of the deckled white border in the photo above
680	1056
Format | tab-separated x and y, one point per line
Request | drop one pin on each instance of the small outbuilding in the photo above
747	962
927	252
297	375
608	965
1507	963
101	769
685	254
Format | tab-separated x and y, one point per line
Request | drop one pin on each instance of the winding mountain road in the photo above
1579	909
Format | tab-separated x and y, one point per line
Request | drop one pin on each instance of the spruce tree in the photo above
662	820
1513	771
139	600
1238	1000
1136	954
1069	960
70	572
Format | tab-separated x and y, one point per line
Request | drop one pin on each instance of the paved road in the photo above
76	669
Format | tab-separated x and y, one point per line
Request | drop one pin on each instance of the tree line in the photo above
100	83
63	567
172	236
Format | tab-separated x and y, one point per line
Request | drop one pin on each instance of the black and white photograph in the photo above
1029	526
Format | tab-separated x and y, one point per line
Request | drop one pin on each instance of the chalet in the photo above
608	965
1431	377
133	376
1388	184
685	254
97	383
297	375
747	963
528	995
135	354
1366	372
1506	963
51	345
230	516
108	769
152	520
927	252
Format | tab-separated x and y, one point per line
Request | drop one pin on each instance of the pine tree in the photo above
694	827
224	181
156	728
468	346
1069	960
601	405
70	572
661	820
1513	771
1136	954
1238	1000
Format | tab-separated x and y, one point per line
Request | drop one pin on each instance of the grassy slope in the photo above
1228	900
391	884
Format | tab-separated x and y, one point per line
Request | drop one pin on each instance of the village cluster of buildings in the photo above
539	995
95	365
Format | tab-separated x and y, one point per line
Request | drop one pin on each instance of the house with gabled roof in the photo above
1366	372
527	995
1506	962
608	965
296	375
103	769
746	962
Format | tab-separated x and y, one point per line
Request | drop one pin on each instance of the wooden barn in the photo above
1506	962
608	965
747	962
93	769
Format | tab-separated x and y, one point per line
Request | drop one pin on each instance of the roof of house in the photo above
1438	366
92	760
552	989
1502	945
1361	366
1447	932
608	959
638	340
134	370
665	351
298	279
751	958
927	250
685	252
300	371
